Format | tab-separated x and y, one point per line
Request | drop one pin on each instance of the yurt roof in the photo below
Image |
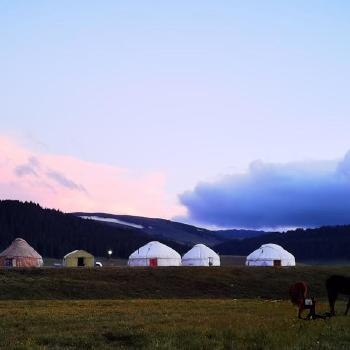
155	249
200	251
270	251
78	253
20	248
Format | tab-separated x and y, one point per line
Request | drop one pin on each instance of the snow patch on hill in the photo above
115	221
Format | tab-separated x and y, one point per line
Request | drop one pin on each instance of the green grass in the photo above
165	308
160	283
166	324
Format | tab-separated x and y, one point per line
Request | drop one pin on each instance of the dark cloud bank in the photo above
275	195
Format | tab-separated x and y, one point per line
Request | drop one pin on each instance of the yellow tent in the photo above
79	258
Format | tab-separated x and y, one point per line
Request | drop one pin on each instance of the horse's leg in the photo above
313	310
300	311
309	315
332	306
347	307
332	298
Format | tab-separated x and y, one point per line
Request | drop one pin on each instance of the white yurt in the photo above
155	254
270	255
201	255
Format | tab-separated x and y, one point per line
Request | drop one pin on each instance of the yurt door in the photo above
81	261
211	261
277	263
10	262
153	262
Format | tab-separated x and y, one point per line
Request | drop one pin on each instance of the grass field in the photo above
161	283
165	308
166	324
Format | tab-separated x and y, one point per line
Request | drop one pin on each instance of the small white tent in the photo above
270	255
155	254
201	255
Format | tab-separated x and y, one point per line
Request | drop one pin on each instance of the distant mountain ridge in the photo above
320	244
170	230
53	233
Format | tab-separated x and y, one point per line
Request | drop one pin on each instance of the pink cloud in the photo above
71	184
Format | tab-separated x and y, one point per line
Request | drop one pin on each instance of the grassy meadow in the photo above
165	308
161	283
166	324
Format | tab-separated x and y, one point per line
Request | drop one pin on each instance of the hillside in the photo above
170	230
325	243
169	282
54	234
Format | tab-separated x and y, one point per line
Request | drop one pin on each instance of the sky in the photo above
168	109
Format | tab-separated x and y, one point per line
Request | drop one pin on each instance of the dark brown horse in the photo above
337	285
299	296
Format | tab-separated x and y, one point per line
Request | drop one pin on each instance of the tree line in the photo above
325	243
53	233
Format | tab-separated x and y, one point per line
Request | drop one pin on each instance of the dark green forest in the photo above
54	234
320	244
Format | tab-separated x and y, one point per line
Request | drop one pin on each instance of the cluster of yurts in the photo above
21	254
158	254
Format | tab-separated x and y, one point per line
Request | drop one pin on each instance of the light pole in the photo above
110	252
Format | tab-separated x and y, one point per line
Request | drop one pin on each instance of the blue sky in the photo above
196	90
